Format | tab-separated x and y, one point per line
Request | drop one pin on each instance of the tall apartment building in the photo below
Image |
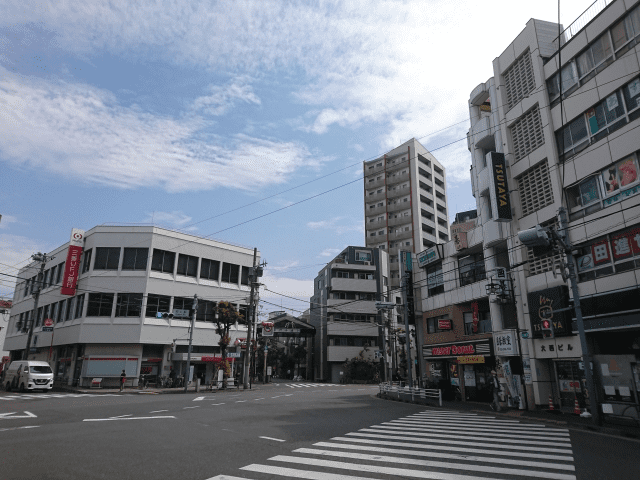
569	139
405	203
127	276
343	311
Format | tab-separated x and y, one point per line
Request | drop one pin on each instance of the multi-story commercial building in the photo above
405	203
343	309
129	275
569	143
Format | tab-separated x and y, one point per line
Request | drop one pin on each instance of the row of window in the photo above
51	277
352	317
612	113
596	57
601	189
471	269
352	341
62	311
482	326
352	296
352	274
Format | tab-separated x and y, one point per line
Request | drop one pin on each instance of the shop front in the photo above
460	369
207	367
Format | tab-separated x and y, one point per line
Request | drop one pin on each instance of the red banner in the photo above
476	315
71	271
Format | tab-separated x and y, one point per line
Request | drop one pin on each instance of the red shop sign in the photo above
453	350
444	324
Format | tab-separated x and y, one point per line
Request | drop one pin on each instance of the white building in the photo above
581	153
343	309
128	275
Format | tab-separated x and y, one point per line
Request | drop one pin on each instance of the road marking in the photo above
536	436
332	390
274	439
197	406
402	451
278	396
197	399
226	477
217	404
120	418
484	425
6	416
258	399
18	428
159	411
451	448
240	401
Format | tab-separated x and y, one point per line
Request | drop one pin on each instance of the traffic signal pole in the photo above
193	324
253	280
42	258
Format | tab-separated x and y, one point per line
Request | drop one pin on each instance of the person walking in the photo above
123	378
495	389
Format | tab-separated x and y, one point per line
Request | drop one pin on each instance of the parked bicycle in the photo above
144	383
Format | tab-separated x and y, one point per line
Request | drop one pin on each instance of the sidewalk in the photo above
556	418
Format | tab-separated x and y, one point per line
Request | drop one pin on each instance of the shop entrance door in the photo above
570	382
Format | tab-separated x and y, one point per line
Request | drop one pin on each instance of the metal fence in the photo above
579	23
402	391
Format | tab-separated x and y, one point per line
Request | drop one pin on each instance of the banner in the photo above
72	265
499	189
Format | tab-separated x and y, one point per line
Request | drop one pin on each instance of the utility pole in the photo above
264	373
253	281
586	357
405	282
193	324
42	258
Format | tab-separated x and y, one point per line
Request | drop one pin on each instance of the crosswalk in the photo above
432	444
34	396
308	385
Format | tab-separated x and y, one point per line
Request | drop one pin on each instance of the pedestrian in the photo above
495	389
123	378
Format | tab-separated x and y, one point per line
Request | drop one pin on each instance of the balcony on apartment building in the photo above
398	205
374	167
398	191
376	224
483	133
339	263
337	353
398	176
375	210
401	235
400	220
494	232
354	285
375	182
374	196
339	306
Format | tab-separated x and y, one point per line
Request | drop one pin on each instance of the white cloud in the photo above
330	252
302	289
338	225
286	266
173	219
82	132
15	252
222	97
6	220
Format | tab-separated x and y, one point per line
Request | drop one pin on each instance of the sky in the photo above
245	122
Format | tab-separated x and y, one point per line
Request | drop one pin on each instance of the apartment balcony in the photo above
375	184
370	212
358	329
393	251
397	207
401	235
426	194
376	197
353	285
394	222
397	177
368	172
398	192
494	232
479	94
360	266
352	306
376	224
483	133
394	282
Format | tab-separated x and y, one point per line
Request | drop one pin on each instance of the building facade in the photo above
343	310
560	129
129	277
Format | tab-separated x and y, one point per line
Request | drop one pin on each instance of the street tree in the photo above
225	316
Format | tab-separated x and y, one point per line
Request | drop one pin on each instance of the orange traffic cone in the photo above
551	404
576	408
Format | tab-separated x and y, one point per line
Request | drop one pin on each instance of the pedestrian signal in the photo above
547	328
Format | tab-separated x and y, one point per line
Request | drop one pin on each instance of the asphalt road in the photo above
278	431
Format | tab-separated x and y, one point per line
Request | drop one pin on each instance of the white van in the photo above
28	375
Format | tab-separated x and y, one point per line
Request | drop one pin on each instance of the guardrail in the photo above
399	388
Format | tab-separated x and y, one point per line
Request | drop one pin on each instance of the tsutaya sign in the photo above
72	265
499	189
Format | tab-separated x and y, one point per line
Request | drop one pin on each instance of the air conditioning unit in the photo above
367	263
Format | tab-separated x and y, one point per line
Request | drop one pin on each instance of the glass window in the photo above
230	272
107	258
206	311
187	265
129	305
435	279
621	175
157	303
100	304
86	262
244	280
632	93
135	258
471	269
79	306
163	261
59	274
209	269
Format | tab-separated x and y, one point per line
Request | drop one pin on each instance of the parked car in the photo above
28	375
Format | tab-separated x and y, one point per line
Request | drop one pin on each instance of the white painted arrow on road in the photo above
7	416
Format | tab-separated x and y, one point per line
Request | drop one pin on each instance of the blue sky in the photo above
179	112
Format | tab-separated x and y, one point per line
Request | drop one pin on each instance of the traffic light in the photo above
547	328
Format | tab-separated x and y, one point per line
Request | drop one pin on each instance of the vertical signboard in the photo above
499	188
542	304
72	265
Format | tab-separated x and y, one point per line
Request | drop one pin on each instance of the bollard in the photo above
197	384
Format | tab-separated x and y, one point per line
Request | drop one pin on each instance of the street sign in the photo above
181	313
47	325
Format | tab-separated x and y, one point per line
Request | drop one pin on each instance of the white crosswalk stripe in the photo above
307	385
434	445
45	396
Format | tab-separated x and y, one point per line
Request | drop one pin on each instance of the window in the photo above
129	305
79	306
535	188
27	284
435	279
527	133
52	277
86	262
230	272
424	160
626	30
582	198
606	117
573	138
206	311
363	256
135	259
244	279
424	186
471	269
483	325
68	312
163	261
209	269
183	303
157	303
432	323
55	311
569	82
107	258
519	79
187	265
45	281
593	57
100	304
60	273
